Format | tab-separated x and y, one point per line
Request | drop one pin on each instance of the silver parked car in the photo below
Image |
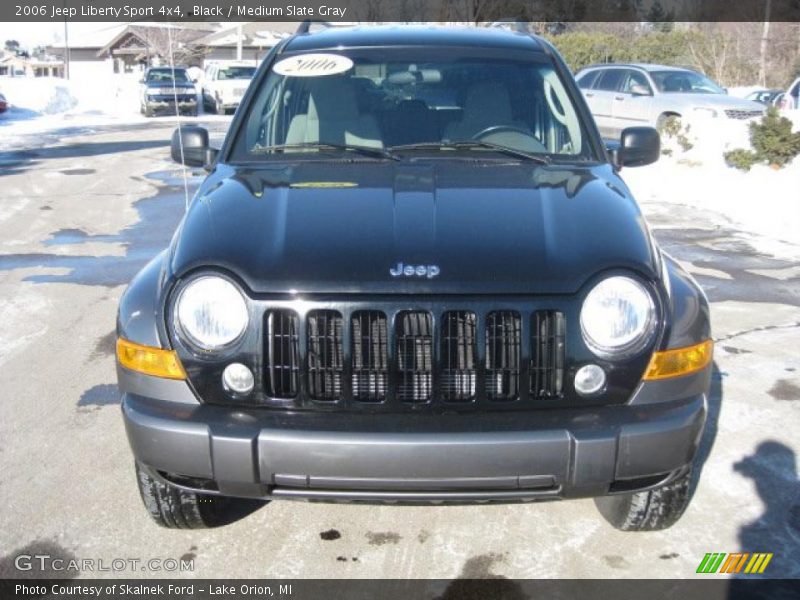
621	96
791	98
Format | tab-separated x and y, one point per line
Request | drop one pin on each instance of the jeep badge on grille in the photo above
403	270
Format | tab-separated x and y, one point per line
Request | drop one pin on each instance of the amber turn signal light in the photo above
681	361
150	361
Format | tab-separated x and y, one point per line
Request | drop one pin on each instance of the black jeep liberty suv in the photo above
414	274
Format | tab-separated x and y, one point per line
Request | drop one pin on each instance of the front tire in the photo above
175	508
653	510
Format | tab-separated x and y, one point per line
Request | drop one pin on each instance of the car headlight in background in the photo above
704	111
211	313
618	317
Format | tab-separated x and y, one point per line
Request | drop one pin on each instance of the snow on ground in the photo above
764	201
50	104
40	104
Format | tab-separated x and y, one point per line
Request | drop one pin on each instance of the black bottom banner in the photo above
390	589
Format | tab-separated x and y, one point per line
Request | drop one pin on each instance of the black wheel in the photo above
148	111
175	508
656	509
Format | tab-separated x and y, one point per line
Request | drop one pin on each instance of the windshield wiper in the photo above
364	150
472	144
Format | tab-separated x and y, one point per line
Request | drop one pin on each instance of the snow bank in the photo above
34	96
763	201
710	138
38	95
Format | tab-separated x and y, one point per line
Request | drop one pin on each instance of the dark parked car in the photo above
414	274
3	104
167	90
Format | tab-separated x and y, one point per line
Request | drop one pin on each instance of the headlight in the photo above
211	313
617	317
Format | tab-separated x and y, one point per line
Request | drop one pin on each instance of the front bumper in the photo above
169	104
500	456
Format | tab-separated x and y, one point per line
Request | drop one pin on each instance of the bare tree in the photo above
175	44
762	63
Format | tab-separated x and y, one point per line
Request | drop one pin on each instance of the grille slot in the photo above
459	356
547	363
503	343
282	354
325	355
742	114
370	356
414	356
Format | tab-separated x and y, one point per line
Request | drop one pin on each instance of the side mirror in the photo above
142	81
638	89
193	141
638	146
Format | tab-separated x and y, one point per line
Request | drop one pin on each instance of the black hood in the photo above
487	227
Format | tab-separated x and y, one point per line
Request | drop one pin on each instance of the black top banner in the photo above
399	10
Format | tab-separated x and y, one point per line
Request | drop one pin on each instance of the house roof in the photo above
139	31
254	34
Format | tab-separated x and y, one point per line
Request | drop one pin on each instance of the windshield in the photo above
392	98
684	82
236	73
159	75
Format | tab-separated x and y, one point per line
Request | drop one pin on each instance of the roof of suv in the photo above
404	35
644	66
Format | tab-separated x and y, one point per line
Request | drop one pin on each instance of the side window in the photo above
587	80
635	81
796	89
610	80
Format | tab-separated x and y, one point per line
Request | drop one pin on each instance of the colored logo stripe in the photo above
734	562
758	563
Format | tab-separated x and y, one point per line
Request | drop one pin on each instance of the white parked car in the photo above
791	99
224	85
621	96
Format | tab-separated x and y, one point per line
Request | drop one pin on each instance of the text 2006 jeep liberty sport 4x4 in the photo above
413	274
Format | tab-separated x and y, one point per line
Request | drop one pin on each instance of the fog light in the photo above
238	379
589	380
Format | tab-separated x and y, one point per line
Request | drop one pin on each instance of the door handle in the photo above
620	98
588	95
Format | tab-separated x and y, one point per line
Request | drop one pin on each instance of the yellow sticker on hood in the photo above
324	184
313	65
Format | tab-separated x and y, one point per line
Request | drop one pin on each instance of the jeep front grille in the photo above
547	368
414	337
370	353
282	354
459	355
414	357
325	355
503	339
